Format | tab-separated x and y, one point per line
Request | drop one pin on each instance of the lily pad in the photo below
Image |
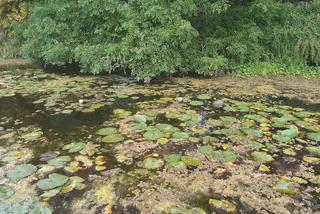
153	135
74	147
287	135
152	163
54	180
225	156
59	161
113	138
285	187
180	135
314	136
206	150
196	103
261	156
191	161
139	118
172	158
315	150
204	97
21	171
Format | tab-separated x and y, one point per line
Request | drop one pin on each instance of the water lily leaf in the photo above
314	136
213	122
137	126
206	150
121	113
180	135
285	187
315	150
106	131
196	103
252	132
12	156
191	161
152	163
312	160
153	135
204	97
225	156
113	138
264	168
209	139
256	117
139	118
287	135
59	161
21	171
228	120
261	156
74	147
166	128
172	158
255	145
5	192
50	193
54	180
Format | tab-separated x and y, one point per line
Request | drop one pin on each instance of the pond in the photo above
107	144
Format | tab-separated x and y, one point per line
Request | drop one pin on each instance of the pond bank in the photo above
12	64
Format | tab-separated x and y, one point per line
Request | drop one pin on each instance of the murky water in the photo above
78	144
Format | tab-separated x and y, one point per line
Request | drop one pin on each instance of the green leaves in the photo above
21	171
54	180
152	163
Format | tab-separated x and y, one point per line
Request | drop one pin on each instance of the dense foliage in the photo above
152	37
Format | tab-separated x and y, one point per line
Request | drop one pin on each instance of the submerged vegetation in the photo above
151	38
78	144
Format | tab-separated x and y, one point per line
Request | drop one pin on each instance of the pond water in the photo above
83	144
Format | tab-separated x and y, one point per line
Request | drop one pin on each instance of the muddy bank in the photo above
12	64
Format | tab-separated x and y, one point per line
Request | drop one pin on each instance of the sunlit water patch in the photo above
77	144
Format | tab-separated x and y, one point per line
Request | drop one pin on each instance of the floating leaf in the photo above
204	97
225	156
196	103
314	136
21	171
261	156
173	158
289	151
285	187
74	147
54	180
252	132
191	161
139	118
315	150
206	150
153	135
59	161
113	138
180	135
152	163
106	131
287	135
